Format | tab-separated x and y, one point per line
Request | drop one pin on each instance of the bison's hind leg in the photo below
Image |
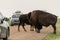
19	27
54	27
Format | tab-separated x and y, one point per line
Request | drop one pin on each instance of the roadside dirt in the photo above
29	35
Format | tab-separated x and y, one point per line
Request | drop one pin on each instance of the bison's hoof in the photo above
38	31
25	30
19	30
31	29
54	32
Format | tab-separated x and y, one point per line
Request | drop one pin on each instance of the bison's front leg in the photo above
24	27
31	28
54	27
38	28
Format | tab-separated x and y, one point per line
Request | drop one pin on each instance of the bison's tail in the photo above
56	19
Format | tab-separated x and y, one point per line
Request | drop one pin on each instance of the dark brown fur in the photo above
41	18
24	19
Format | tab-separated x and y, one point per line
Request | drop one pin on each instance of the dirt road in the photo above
29	35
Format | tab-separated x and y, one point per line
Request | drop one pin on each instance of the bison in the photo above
40	18
24	19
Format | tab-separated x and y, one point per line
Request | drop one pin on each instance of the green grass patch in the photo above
52	36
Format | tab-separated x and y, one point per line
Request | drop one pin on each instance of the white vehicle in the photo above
4	28
15	18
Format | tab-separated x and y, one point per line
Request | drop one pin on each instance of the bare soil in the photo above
29	35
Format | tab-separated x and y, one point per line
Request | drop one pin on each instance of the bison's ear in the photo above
29	14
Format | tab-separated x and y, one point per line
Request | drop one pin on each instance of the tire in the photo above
8	31
5	38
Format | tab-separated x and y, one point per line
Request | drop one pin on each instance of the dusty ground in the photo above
29	35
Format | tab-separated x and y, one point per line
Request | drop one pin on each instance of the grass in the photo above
51	36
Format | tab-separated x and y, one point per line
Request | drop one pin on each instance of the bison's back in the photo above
47	19
44	18
24	19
